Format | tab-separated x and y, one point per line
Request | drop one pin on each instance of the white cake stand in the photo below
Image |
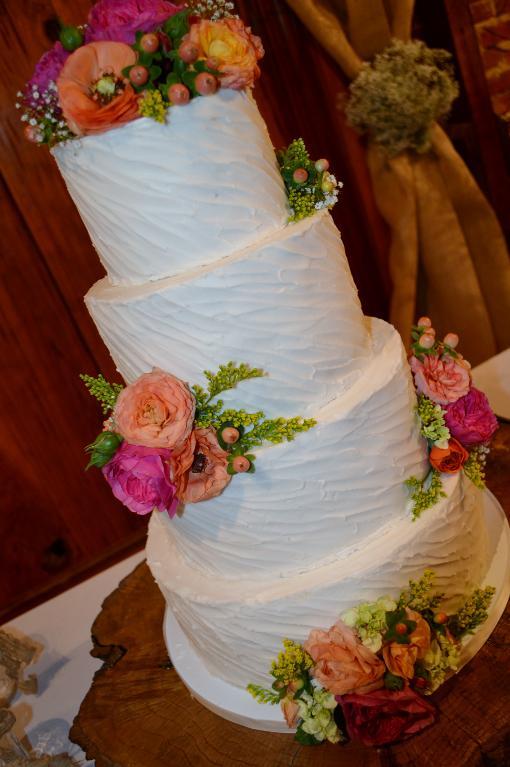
238	706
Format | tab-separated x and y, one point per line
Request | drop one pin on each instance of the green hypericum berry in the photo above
71	38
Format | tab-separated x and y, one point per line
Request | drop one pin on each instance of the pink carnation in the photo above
120	20
47	70
441	380
140	479
470	419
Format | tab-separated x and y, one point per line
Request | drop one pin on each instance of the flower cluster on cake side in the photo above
365	677
165	444
456	418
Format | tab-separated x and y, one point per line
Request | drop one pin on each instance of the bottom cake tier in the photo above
236	626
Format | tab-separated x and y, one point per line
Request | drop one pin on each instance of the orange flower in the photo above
84	68
342	663
451	459
208	475
290	710
232	49
181	462
400	658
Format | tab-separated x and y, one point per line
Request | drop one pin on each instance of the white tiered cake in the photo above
190	221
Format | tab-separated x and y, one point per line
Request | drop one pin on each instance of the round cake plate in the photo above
236	705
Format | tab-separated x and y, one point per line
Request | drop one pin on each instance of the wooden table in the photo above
139	714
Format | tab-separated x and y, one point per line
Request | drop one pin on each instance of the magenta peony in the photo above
47	70
470	419
384	716
140	479
441	380
120	20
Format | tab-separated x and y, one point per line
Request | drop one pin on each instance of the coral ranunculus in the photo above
449	460
208	474
342	663
441	380
120	20
157	410
471	419
82	71
290	711
400	658
232	47
385	716
140	479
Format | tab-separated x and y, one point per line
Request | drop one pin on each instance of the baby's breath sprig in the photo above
425	493
106	393
418	595
42	115
212	9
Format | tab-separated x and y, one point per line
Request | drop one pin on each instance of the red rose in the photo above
450	460
384	716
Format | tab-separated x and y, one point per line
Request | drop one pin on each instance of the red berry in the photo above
149	42
300	175
206	84
440	618
178	94
188	52
401	628
138	75
240	464
230	435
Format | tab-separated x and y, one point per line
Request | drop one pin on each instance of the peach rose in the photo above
342	663
449	460
157	410
92	91
208	474
232	47
400	658
290	710
441	380
181	463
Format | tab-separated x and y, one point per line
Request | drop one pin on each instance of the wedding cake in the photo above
192	221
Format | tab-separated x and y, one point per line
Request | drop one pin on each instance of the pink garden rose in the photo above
207	476
157	410
470	419
342	663
140	479
47	70
120	20
385	716
441	380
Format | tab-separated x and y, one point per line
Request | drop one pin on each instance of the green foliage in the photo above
433	426
369	620
106	393
396	97
418	595
398	617
305	738
473	612
425	493
474	468
292	663
103	448
228	376
393	682
177	26
262	695
276	430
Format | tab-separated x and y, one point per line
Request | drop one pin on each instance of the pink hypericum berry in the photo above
206	84
230	435
300	175
178	94
424	322
149	42
451	339
440	618
401	629
426	341
212	62
322	165
188	52
138	75
240	464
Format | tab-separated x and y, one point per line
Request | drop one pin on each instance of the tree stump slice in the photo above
138	713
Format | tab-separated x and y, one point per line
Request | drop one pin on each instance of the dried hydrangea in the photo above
369	620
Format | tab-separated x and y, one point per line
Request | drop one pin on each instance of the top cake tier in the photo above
160	199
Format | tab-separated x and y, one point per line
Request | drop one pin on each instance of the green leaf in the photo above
125	72
305	738
393	682
188	79
262	695
154	72
177	26
172	79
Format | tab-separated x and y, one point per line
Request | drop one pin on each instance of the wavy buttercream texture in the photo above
160	199
237	627
287	304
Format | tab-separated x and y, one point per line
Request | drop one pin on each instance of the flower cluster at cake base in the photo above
310	186
365	677
456	418
136	58
165	444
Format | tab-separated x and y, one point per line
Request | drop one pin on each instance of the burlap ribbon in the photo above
448	256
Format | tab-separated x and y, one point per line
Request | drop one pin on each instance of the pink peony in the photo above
157	410
120	20
140	479
47	70
385	716
470	419
441	380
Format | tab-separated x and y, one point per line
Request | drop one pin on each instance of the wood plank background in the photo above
57	523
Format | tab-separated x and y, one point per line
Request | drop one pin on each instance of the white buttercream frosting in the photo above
159	199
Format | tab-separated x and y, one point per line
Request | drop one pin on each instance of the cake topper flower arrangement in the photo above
455	417
166	444
136	58
365	677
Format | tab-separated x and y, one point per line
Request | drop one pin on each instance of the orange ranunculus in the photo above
82	70
400	658
181	462
451	459
290	710
208	474
342	663
232	49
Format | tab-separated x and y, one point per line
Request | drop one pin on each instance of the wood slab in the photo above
139	714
